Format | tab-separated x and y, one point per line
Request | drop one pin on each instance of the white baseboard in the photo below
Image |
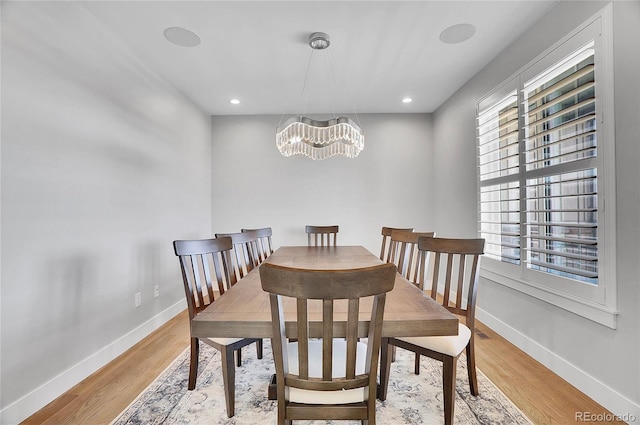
49	391
627	409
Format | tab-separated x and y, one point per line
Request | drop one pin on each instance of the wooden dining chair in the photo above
403	252
385	249
321	235
244	257
327	378
204	265
265	247
461	261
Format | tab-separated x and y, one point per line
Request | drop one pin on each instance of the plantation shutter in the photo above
560	169
499	168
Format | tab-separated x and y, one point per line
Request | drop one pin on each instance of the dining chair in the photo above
326	378
204	264
244	257
265	247
403	252
385	249
321	235
461	257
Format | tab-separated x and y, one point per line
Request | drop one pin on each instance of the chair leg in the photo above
281	413
229	379
385	368
449	387
193	363
416	367
239	357
471	369
259	348
371	416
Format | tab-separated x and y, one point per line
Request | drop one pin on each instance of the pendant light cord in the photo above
304	86
330	63
333	69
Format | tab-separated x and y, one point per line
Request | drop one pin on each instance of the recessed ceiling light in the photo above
457	33
407	100
182	37
234	101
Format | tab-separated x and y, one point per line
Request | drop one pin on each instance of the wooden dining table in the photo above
244	309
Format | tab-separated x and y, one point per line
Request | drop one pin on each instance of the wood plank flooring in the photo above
103	395
543	396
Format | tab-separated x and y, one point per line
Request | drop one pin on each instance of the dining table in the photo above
244	310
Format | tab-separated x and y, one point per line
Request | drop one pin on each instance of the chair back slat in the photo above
221	269
195	285
447	281
203	262
207	275
322	235
435	275
352	337
460	286
462	269
303	339
327	339
193	294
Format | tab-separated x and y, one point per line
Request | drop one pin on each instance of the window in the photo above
545	168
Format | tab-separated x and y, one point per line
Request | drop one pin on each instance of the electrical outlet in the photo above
156	291
138	299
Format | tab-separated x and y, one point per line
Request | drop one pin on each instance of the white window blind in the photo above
499	168
561	175
538	175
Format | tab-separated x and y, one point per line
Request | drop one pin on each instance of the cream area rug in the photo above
411	399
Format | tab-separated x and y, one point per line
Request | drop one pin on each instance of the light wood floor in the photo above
543	396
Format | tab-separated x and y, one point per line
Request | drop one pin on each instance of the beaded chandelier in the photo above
319	139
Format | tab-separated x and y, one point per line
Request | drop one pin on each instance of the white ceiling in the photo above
257	51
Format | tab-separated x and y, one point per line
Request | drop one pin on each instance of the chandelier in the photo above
317	139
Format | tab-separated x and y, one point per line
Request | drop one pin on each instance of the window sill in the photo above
595	312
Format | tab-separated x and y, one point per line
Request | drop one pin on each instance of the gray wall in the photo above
103	165
388	184
602	362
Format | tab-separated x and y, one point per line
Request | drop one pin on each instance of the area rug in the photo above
411	399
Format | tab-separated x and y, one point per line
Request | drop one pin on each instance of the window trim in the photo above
599	305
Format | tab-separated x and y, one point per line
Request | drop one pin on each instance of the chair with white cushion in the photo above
460	259
205	263
333	377
403	252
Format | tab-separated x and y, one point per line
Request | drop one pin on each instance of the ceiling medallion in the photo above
318	140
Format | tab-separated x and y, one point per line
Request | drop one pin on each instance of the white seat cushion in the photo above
449	345
225	341
297	395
